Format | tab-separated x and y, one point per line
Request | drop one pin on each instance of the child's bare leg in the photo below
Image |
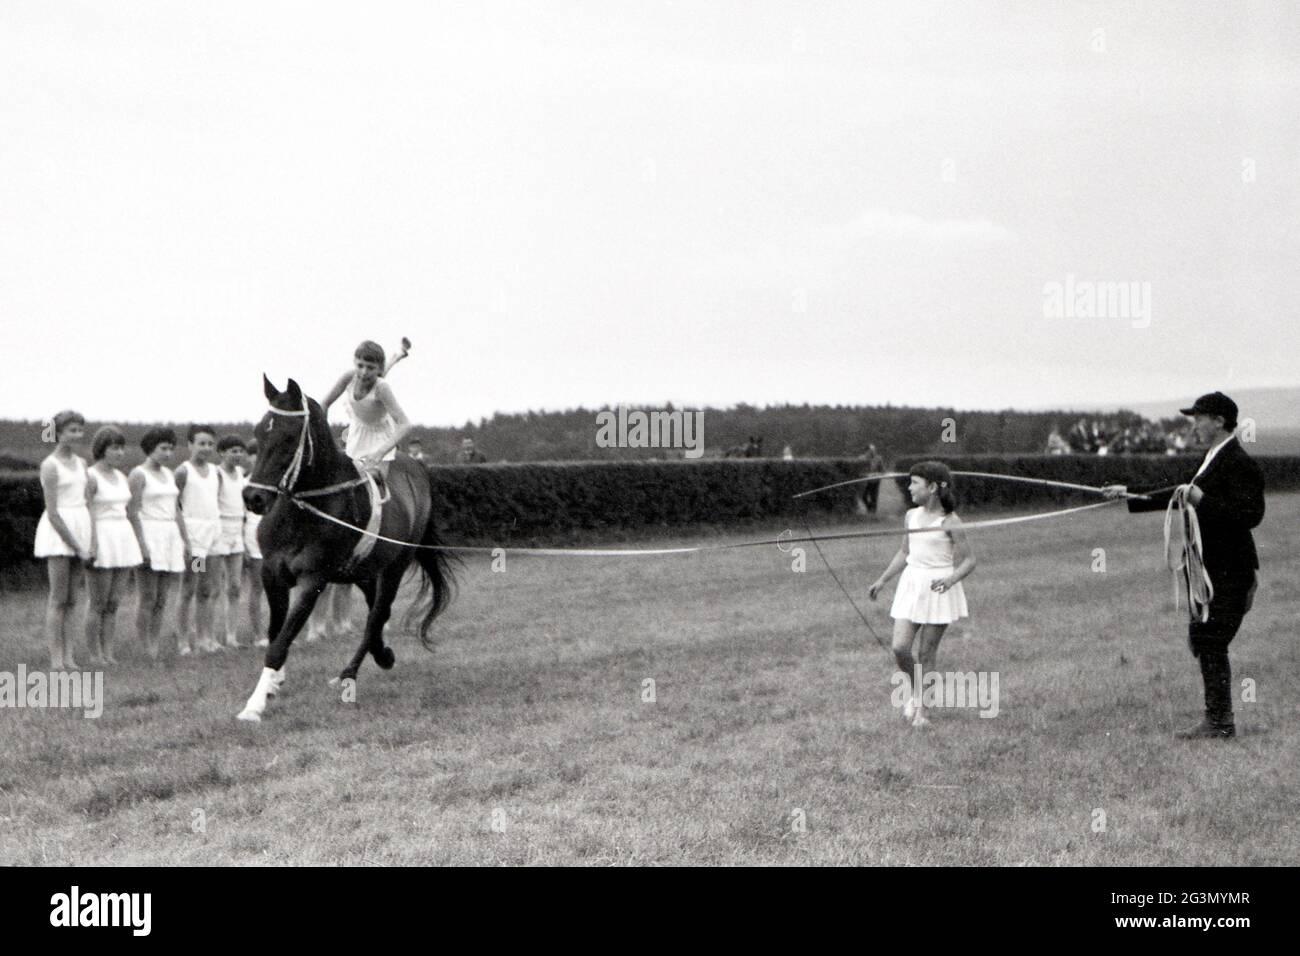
904	636
255	598
185	611
167	584
108	630
57	607
98	583
342	609
319	622
931	635
205	603
233	565
146	589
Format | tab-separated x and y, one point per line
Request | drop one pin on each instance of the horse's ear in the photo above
293	389
268	389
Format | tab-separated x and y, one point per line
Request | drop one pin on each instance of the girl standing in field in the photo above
160	529
64	534
115	545
933	563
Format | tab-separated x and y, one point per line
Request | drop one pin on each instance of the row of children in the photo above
186	528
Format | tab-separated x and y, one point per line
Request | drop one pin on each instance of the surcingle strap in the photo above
368	539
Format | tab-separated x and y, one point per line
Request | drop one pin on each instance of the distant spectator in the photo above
875	465
1056	445
787	454
469	455
415	448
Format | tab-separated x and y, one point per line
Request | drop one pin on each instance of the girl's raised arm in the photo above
384	392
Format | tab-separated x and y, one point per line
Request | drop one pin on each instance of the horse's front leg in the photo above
278	652
368	587
278	591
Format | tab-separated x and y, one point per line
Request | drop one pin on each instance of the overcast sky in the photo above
580	203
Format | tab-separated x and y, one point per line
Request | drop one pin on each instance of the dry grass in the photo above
524	738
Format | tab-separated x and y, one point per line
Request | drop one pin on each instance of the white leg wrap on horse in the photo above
257	702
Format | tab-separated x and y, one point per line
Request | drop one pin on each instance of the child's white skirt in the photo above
166	549
915	602
48	542
115	544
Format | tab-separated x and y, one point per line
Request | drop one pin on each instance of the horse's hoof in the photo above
251	716
386	659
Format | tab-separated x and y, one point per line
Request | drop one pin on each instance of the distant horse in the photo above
301	476
752	449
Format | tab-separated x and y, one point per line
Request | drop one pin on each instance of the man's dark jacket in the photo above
1232	505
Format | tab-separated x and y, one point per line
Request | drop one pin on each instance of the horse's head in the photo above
279	435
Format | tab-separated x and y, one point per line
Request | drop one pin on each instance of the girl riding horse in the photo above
316	504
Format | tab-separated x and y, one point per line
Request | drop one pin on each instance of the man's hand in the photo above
874	589
1115	491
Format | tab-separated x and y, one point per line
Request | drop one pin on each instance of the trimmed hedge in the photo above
1139	472
552	501
558	503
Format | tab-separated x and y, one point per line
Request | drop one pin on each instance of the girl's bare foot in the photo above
921	721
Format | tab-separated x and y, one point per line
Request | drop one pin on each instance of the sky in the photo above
567	204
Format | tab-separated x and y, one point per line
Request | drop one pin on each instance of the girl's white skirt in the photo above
115	544
166	549
48	542
363	440
915	602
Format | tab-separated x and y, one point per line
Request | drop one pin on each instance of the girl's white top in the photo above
931	550
158	499
111	497
372	426
72	483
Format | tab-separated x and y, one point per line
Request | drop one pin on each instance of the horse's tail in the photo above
437	580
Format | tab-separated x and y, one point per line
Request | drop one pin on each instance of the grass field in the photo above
525	737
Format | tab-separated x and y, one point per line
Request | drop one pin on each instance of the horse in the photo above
315	500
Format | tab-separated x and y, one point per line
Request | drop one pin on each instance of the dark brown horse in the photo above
314	500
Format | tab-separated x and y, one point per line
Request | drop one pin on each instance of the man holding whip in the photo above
1222	501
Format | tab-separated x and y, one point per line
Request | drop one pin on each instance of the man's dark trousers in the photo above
1209	640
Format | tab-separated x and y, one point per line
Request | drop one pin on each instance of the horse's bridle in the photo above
306	449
